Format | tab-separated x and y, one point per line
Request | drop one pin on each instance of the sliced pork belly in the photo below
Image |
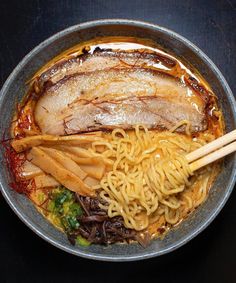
100	60
118	97
153	112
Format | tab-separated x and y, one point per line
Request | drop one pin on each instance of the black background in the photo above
211	256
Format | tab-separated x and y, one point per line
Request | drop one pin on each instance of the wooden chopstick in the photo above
212	146
207	159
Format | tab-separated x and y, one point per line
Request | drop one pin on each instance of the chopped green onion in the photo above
72	221
80	241
64	207
75	209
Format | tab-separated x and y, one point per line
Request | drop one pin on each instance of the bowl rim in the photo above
139	24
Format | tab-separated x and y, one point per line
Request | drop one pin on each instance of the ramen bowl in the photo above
15	88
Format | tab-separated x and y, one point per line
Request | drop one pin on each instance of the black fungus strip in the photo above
97	227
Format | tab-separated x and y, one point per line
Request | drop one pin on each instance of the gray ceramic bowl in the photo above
15	88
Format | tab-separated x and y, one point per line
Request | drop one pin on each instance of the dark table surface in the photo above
211	256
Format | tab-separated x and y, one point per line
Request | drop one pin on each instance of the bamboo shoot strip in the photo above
28	142
65	161
41	159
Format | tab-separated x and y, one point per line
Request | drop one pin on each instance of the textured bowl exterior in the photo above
14	89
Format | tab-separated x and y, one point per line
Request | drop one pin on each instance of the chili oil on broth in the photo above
200	184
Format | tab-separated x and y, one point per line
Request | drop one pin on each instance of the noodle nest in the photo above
149	175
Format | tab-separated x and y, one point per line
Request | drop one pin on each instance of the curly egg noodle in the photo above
149	176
